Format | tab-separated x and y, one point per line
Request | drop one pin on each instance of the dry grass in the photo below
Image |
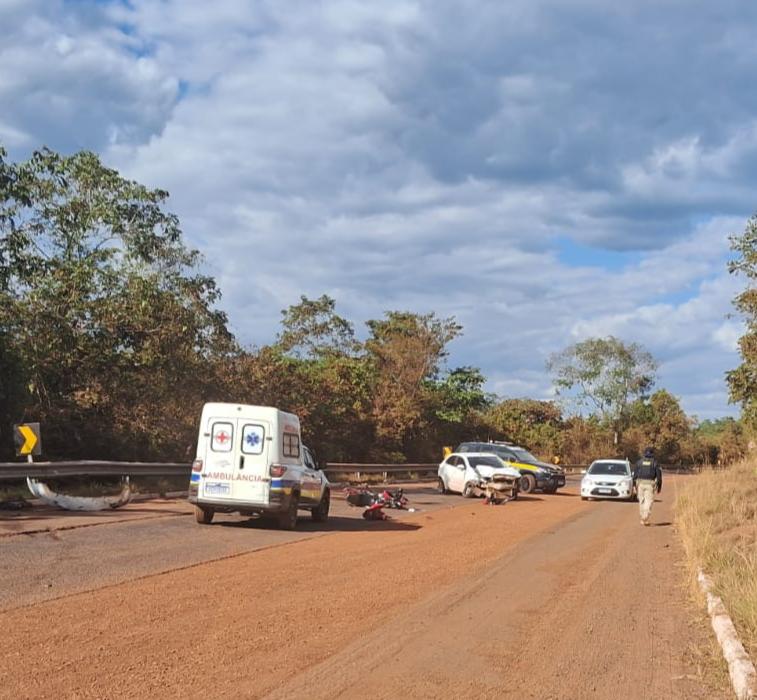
716	514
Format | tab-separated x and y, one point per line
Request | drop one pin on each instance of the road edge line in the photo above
740	667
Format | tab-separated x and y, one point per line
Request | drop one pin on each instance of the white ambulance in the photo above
251	460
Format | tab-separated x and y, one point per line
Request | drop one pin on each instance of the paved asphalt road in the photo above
70	552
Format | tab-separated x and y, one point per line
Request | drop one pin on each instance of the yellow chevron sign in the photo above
28	439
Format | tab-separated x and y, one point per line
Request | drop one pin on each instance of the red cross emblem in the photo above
222	437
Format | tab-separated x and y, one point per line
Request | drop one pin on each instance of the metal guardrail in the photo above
41	470
334	468
387	469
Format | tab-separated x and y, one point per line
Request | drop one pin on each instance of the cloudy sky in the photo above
544	170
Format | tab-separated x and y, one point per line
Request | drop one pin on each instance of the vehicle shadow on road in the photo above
335	523
338	523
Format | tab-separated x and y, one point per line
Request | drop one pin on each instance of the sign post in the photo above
28	439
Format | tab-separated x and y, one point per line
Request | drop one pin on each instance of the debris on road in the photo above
374	503
42	491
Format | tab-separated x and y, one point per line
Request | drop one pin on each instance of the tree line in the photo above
111	337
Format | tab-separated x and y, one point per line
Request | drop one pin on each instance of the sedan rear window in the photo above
608	468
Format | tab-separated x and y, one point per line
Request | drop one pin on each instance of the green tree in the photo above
106	312
604	375
317	370
733	443
405	352
722	440
659	422
742	381
459	393
14	382
331	374
313	329
534	424
583	440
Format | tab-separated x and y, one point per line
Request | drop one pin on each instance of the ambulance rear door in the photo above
235	468
252	481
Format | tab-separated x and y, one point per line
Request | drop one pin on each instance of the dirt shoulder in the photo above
592	608
252	625
716	513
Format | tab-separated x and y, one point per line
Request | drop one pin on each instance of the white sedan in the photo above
464	472
608	478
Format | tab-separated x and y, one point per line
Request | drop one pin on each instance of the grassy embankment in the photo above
716	513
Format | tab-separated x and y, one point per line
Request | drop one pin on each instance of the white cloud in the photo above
727	335
70	80
426	156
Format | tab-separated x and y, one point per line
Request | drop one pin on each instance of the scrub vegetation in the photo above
716	514
112	338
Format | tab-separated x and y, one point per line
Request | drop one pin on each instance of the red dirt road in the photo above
548	597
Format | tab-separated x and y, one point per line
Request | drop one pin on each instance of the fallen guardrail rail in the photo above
37	473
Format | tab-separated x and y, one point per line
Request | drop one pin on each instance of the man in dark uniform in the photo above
648	477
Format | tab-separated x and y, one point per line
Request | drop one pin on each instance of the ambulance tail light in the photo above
277	470
197	465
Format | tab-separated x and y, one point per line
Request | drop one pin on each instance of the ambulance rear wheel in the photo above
320	514
288	519
204	516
